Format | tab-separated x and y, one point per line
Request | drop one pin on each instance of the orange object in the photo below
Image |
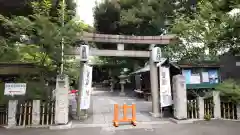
125	118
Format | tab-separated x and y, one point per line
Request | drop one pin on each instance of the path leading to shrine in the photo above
101	111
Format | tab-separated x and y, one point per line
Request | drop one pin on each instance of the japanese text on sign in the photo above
15	88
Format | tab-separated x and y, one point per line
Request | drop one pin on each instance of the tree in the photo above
210	28
37	39
137	17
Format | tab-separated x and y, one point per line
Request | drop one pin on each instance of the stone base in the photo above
83	115
59	127
155	115
122	94
183	121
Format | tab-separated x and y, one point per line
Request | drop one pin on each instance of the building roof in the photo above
147	67
199	65
180	65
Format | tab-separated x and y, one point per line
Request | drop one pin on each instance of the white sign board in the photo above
15	89
165	87
84	53
205	77
87	87
195	79
156	54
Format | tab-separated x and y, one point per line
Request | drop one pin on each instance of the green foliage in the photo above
230	89
207	117
37	38
211	27
135	17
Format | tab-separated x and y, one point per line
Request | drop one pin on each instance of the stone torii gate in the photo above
121	41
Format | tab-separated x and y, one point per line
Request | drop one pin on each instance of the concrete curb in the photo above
228	119
59	127
195	120
89	125
23	127
142	124
187	121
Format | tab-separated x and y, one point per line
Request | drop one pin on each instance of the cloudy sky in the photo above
85	10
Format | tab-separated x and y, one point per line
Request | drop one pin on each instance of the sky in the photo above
84	10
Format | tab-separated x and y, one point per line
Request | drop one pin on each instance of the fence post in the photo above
179	97
217	104
12	110
201	107
238	111
36	112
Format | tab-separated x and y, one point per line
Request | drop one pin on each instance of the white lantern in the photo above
156	54
84	53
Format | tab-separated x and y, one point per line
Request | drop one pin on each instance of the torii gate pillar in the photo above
154	86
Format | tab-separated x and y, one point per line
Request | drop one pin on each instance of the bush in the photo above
230	89
207	117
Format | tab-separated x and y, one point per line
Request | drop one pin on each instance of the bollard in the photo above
125	118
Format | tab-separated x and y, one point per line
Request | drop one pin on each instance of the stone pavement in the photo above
101	111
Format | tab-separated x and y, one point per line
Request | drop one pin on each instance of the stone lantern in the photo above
112	84
122	78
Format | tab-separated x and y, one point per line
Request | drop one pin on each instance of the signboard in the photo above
15	88
213	76
84	53
156	54
195	79
187	75
87	87
165	87
205	77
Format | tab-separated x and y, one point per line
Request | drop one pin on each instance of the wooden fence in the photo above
24	113
192	109
47	113
228	110
3	114
209	107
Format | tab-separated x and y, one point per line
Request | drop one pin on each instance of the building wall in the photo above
229	69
